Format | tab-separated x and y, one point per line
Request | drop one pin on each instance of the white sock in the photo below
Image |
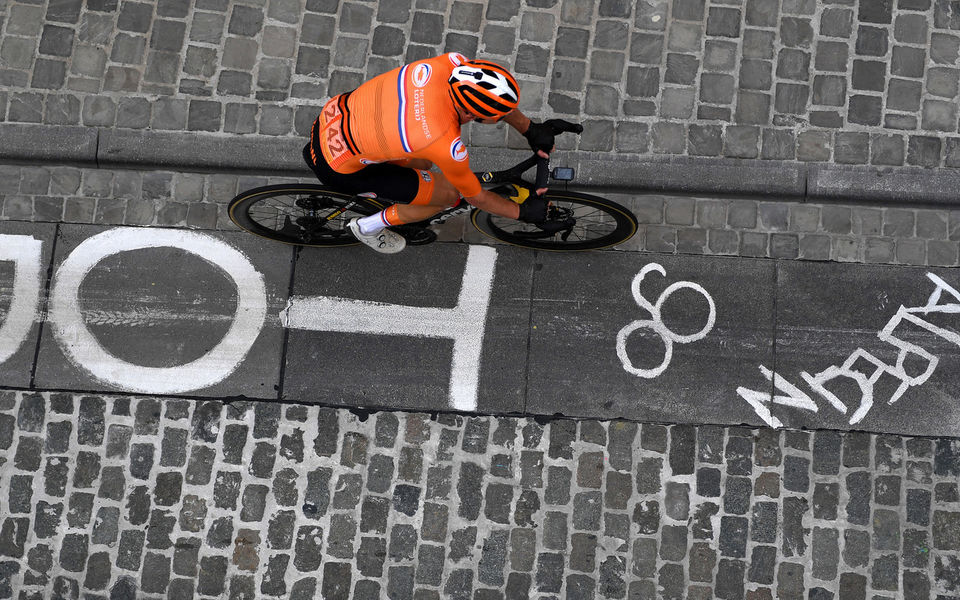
373	223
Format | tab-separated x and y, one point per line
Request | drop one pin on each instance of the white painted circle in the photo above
628	366
82	348
711	318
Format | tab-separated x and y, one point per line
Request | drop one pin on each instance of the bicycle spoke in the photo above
596	225
282	212
591	223
305	216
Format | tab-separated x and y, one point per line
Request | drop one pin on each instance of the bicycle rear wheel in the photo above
300	214
600	223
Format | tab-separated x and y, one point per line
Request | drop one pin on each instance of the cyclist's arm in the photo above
449	154
517	120
494	203
521	123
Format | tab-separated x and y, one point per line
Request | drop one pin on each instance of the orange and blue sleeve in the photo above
450	154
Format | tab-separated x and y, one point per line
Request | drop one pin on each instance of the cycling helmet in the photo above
484	89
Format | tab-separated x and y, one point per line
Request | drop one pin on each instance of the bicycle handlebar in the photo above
514	173
557	126
543	170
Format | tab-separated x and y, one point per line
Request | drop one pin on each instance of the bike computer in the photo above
562	173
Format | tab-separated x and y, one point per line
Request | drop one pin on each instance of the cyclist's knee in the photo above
444	194
446	199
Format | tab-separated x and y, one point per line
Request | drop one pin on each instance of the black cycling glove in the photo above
541	136
533	209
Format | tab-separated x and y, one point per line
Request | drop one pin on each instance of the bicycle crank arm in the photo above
341	210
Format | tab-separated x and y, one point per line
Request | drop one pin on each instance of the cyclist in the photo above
382	139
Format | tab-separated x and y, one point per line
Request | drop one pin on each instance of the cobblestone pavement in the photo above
669	224
119	497
159	498
874	81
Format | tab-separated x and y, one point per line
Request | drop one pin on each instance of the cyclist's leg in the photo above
442	195
419	193
432	194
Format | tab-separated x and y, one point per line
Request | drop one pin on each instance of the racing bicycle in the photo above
316	215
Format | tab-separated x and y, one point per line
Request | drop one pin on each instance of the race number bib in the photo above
331	135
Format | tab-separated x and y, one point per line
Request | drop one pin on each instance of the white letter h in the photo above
464	323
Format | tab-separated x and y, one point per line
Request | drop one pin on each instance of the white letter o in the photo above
83	349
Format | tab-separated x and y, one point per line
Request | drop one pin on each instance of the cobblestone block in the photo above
705	140
673	542
722	242
938	115
733	536
897	223
886	150
923	151
730	574
942	253
587	510
879	250
798	440
931	225
943	82
946	530
945	572
911	252
370	557
213	572
741	141
692	241
804	218
677	103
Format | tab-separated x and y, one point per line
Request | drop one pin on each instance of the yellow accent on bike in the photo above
517	194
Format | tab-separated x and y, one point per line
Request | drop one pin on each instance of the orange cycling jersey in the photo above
403	114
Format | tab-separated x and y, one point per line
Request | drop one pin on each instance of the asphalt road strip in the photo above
681	339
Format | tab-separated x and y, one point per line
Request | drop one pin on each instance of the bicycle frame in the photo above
489	178
300	213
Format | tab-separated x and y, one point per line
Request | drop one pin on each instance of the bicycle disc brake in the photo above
311	224
558	220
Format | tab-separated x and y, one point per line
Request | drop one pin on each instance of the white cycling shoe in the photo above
383	241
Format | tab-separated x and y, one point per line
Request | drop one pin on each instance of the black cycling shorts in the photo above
387	181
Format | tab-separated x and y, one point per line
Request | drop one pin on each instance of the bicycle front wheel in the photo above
600	223
300	214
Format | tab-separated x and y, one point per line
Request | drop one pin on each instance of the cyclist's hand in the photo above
541	136
533	209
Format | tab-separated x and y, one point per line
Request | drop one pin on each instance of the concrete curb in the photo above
883	185
48	144
199	152
693	174
205	152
